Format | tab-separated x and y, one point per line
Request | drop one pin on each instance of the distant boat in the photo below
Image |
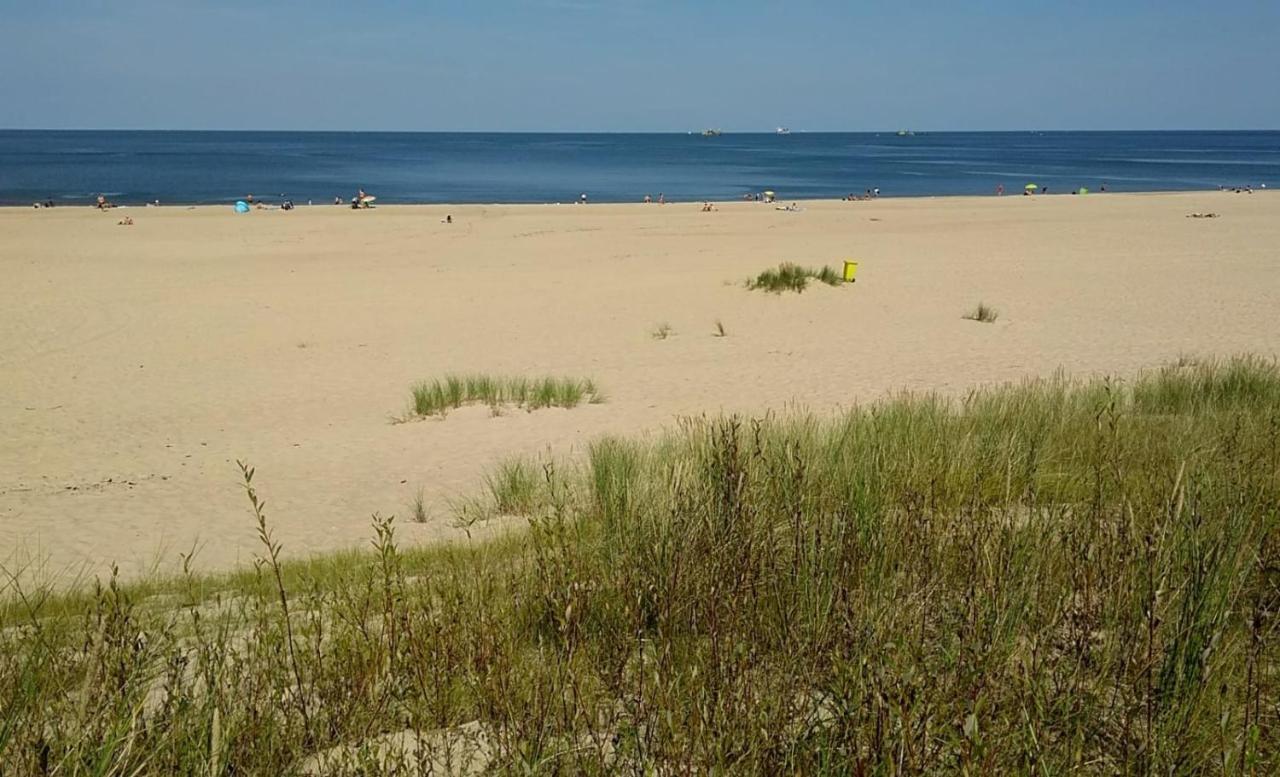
783	131
905	133
711	133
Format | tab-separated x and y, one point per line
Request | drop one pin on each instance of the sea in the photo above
175	167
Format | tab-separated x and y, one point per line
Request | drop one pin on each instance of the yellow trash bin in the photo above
850	271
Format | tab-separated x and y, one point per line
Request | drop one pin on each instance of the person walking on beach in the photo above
999	190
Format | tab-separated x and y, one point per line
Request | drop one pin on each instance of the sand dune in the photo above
138	363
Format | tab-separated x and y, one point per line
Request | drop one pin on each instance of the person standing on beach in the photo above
999	190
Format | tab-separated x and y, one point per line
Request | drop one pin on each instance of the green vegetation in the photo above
1056	577
418	509
792	277
984	313
513	487
1191	386
439	396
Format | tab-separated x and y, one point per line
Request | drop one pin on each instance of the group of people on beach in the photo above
1032	189
361	201
870	194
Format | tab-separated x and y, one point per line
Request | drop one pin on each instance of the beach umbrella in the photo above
1031	187
1083	190
242	206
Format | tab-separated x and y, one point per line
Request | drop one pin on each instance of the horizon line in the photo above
634	132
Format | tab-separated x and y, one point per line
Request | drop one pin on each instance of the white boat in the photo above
783	131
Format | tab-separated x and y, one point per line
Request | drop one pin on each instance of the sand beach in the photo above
138	363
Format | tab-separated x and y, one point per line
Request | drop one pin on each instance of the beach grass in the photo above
793	277
1054	577
438	397
513	486
418	508
662	331
982	312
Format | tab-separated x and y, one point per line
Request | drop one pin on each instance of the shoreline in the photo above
274	204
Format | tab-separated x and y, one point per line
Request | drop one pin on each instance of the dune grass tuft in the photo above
1058	577
984	313
662	331
418	508
438	397
513	486
793	277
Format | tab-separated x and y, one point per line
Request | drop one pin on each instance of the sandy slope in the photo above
137	363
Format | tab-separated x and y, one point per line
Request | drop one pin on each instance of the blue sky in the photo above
641	65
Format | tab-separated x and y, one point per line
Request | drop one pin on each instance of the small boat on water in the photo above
905	133
783	131
711	133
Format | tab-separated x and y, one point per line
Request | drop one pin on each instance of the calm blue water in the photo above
216	167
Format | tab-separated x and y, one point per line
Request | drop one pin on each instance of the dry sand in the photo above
138	363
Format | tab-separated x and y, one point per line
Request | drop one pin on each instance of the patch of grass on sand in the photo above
793	277
438	397
984	313
662	331
418	508
513	486
1189	386
1058	573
